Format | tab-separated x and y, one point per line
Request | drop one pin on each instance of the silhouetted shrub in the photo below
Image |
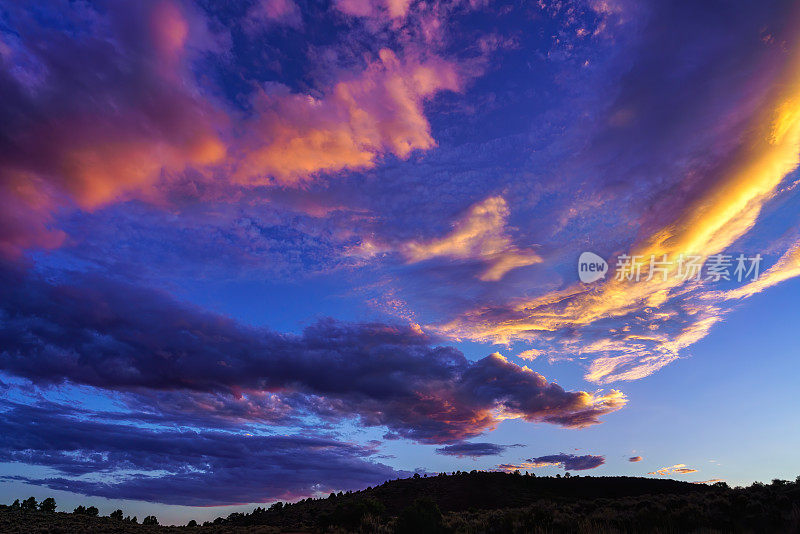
422	517
116	515
150	520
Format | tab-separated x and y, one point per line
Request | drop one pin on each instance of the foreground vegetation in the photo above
476	502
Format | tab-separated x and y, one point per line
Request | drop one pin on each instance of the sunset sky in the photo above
264	250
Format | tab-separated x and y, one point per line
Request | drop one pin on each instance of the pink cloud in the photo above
124	118
390	9
267	12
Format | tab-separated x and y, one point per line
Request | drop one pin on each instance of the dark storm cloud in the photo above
178	467
118	337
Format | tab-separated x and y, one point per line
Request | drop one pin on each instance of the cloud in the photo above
378	9
703	204
481	234
788	266
265	13
635	459
295	136
530	354
473	450
165	465
104	334
677	469
140	115
96	130
570	462
722	212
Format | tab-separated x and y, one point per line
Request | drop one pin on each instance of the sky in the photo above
265	250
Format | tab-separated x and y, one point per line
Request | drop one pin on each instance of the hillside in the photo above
488	502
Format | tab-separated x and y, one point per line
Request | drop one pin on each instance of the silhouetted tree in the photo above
48	505
28	505
92	511
116	515
277	507
79	510
150	520
191	523
15	504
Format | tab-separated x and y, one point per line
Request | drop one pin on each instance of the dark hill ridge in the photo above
465	491
486	502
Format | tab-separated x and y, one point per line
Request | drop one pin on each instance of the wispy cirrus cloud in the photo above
788	266
677	469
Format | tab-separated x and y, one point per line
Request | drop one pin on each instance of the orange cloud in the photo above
480	235
530	354
378	112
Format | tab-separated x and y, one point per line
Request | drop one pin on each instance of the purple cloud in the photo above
570	461
473	450
109	335
179	466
